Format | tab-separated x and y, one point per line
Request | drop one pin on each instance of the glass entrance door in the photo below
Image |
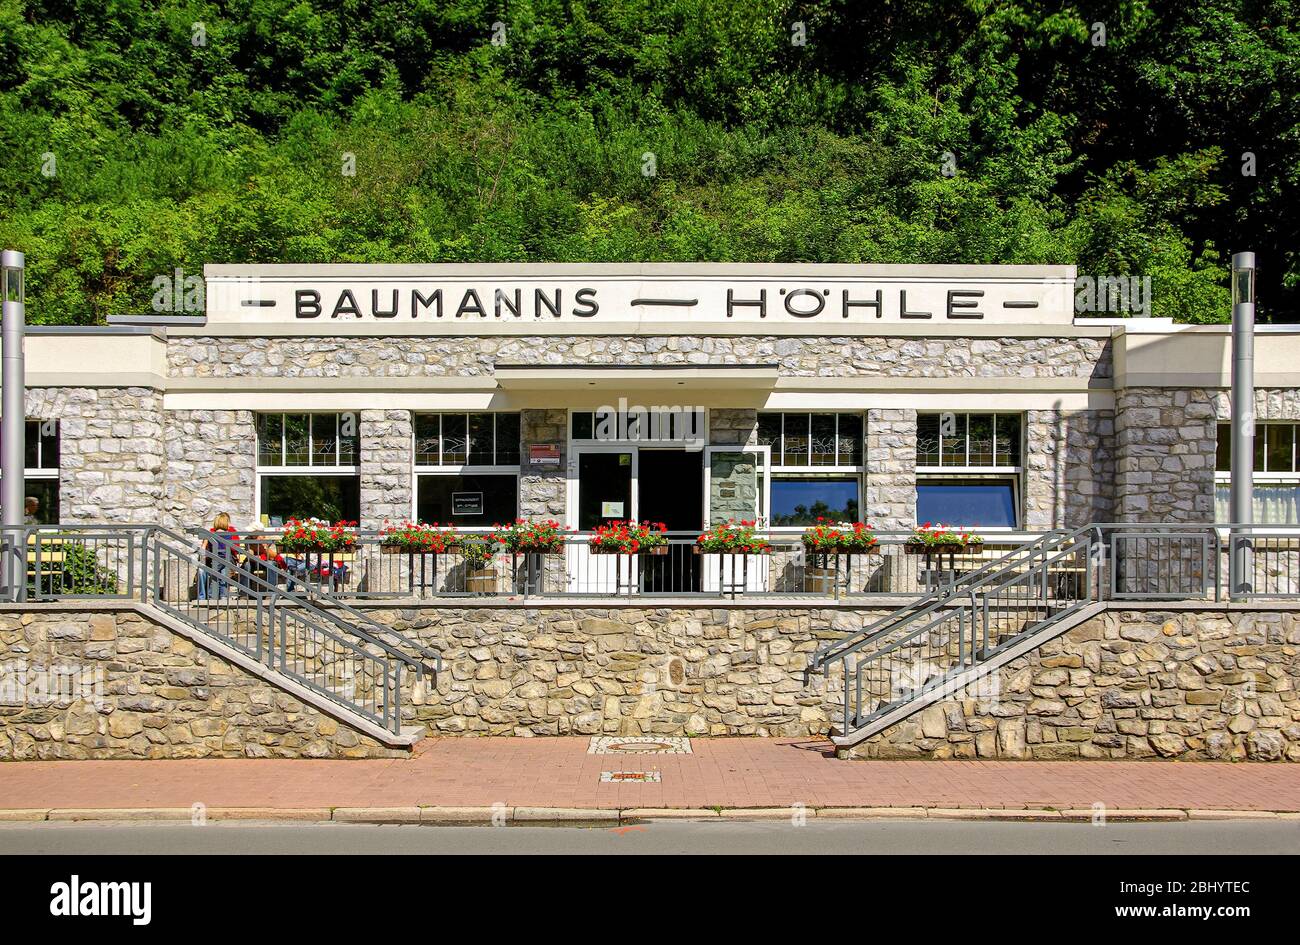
602	490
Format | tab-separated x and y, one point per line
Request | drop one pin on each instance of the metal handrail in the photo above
390	717
971	612
334	602
828	653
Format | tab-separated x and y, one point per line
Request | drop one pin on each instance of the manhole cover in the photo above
640	777
638	745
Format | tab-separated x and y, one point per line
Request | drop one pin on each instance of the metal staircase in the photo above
320	649
962	631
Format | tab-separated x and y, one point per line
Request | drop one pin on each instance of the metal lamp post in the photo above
1241	504
13	421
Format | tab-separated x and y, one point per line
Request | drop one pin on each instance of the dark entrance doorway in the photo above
671	490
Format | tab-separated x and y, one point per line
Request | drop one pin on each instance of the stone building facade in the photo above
158	417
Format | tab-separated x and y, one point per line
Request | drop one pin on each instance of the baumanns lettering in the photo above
431	303
539	303
75	898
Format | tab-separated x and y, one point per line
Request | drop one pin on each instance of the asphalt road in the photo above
658	837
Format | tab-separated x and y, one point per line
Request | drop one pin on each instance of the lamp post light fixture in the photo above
1241	503
13	569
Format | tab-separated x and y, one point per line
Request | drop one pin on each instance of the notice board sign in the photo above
543	454
467	503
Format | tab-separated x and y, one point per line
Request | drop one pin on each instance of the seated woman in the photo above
217	556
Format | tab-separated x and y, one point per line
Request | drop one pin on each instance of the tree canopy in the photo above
1127	137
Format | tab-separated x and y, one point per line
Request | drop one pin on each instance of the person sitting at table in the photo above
31	505
217	556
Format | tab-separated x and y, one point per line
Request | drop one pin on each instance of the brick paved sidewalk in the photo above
721	772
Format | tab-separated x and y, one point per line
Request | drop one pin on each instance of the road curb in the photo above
501	815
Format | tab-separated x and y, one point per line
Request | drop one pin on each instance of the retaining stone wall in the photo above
1132	684
143	691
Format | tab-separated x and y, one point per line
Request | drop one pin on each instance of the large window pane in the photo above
32	444
769	432
927	439
823	440
850	439
795	440
468	501
1278	446
1273	503
1007	441
1223	449
981	439
270	445
332	498
479	449
967	503
324	439
584	425
507	439
349	439
952	443
428	433
297	439
803	501
455	439
46	494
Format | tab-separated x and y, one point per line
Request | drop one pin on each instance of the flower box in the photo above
415	538
732	538
314	536
530	538
840	538
922	548
629	538
656	550
940	539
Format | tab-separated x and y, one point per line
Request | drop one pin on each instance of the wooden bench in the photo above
47	562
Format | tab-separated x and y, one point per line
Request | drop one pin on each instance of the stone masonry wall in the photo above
733	427
386	478
543	489
1132	684
1164	455
110	450
1069	468
625	671
1135	684
211	458
890	500
112	684
803	357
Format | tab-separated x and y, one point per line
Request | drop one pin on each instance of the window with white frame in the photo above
308	467
467	468
1276	497
41	472
816	466
968	469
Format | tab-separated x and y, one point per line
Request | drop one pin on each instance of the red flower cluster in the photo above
839	536
525	537
418	537
734	537
931	534
628	537
315	535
